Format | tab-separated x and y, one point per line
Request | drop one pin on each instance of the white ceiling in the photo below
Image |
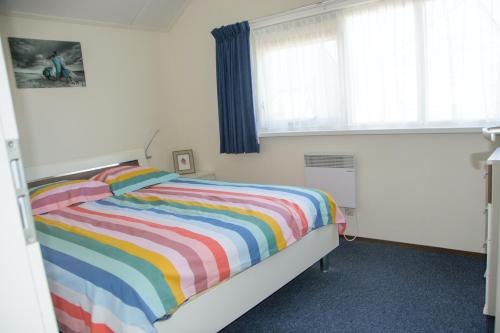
143	14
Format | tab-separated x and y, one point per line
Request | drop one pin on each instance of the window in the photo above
382	65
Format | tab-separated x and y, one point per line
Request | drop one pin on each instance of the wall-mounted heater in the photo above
334	174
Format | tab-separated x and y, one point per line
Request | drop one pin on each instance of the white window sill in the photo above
378	132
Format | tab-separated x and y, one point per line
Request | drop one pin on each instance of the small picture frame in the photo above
184	161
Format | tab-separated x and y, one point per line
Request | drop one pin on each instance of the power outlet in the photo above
349	211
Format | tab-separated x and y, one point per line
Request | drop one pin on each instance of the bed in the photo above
247	257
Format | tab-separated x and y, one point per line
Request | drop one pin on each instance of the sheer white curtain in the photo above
462	53
380	63
387	64
295	68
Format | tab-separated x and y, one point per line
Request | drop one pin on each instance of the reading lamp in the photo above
148	157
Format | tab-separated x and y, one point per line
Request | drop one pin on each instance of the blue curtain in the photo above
238	133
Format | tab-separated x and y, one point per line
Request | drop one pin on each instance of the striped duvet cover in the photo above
121	263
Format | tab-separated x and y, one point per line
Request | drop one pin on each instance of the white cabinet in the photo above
493	219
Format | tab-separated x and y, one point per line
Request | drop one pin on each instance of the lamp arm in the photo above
148	157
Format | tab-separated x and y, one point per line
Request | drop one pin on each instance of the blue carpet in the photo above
375	287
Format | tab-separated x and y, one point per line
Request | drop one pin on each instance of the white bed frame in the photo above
219	306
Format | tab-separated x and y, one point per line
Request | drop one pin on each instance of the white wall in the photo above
423	189
420	188
118	110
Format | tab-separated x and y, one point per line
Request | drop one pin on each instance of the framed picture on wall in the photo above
184	161
40	63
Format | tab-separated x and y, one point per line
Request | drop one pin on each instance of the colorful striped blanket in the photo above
121	263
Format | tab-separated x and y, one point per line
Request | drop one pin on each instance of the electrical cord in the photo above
353	238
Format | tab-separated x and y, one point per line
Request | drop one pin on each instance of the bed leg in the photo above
324	264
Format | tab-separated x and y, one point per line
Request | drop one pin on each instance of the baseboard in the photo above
422	247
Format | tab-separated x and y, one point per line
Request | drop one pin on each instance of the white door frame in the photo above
25	304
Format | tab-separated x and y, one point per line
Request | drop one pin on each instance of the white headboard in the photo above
59	169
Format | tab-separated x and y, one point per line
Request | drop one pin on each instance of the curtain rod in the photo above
306	11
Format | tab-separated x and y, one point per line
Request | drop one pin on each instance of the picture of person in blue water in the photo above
61	71
46	63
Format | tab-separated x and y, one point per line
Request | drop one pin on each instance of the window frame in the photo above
394	131
334	5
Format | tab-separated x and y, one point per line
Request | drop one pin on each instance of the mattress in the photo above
121	263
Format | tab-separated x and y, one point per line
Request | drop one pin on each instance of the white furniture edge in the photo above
492	290
219	306
494	158
58	169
